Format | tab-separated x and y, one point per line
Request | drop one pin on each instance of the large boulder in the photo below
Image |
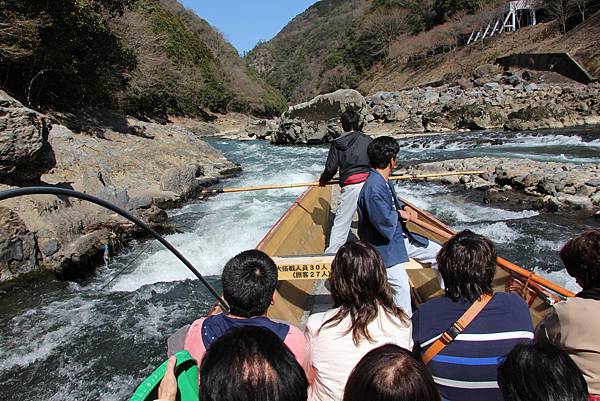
475	117
486	70
185	181
25	153
124	169
261	129
316	121
18	248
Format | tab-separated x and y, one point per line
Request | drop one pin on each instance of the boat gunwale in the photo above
282	218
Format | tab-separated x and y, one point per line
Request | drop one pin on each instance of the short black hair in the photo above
467	263
251	364
249	281
390	373
540	372
381	150
351	121
581	257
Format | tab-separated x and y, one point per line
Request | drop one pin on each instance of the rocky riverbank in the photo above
554	186
142	167
491	98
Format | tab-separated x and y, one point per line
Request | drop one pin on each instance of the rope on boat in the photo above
47	190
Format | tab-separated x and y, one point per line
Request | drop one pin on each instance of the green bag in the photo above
186	372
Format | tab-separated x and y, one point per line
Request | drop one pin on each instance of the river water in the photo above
91	341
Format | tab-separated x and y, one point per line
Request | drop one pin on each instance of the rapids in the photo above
88	341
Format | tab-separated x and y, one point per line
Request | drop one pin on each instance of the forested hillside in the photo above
335	43
149	58
393	44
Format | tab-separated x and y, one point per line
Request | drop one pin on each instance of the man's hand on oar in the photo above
408	214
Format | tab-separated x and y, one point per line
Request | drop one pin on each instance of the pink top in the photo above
294	340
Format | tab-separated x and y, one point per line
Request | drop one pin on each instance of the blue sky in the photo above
245	22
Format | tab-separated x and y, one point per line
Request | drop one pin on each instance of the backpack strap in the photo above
449	335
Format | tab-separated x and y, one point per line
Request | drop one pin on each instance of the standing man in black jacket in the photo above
348	154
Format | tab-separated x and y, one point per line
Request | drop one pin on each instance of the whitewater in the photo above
89	340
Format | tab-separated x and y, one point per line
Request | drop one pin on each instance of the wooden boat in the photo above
297	241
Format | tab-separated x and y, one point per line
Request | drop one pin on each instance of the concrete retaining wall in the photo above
561	63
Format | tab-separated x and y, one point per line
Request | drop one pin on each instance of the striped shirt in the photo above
466	369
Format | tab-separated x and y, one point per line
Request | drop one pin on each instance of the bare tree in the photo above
561	10
581	7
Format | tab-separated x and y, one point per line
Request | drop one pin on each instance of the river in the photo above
91	341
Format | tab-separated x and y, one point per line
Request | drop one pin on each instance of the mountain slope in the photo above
149	58
397	73
184	65
373	45
252	93
317	51
335	43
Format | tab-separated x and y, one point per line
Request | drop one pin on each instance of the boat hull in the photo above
302	231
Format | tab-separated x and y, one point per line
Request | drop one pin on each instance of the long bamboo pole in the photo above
502	262
332	182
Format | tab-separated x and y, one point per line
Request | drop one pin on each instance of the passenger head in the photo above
359	286
381	150
540	372
390	373
351	121
581	257
251	364
467	263
249	281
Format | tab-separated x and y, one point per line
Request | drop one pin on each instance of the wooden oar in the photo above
502	262
315	184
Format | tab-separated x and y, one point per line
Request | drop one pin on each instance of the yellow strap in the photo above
449	335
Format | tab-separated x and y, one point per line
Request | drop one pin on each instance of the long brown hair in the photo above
359	287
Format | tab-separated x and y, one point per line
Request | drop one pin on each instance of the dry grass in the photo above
397	74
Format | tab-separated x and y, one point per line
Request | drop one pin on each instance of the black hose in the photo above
13	193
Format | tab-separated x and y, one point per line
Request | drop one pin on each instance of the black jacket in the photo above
348	153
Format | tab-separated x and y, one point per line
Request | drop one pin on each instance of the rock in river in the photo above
316	121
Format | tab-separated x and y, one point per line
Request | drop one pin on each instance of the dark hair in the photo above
251	364
249	281
390	373
351	121
467	263
359	286
381	150
540	372
581	257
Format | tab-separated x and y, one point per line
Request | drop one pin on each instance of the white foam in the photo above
476	213
545	245
553	158
37	333
499	232
560	277
230	222
551	140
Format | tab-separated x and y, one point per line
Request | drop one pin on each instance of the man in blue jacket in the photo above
382	217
